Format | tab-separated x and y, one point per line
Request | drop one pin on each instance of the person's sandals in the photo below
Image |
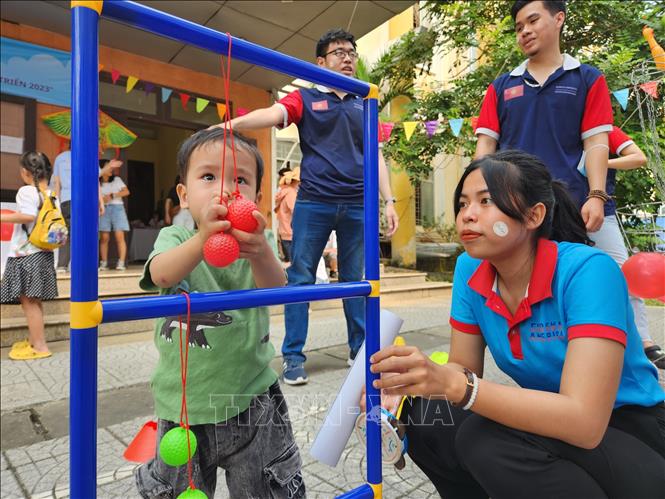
27	353
20	345
656	355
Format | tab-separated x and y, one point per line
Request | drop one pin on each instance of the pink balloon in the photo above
645	275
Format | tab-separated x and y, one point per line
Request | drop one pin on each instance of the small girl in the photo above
114	218
30	273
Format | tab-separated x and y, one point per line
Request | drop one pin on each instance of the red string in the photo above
226	76
184	418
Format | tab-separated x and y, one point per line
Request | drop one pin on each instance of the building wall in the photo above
159	73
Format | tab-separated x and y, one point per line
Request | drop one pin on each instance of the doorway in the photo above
141	183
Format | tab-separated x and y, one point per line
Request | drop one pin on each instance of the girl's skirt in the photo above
32	276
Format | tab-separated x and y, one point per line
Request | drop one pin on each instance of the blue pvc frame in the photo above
84	294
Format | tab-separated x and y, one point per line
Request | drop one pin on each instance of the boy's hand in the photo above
253	245
213	218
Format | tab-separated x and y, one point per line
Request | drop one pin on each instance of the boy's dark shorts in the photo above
256	449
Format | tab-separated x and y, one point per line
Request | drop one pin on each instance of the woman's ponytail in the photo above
567	222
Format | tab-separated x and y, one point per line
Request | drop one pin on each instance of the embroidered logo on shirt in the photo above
321	105
512	92
564	89
546	331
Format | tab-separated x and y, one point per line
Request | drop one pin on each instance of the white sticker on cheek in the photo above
500	229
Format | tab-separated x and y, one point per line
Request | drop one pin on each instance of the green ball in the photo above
173	446
439	357
193	494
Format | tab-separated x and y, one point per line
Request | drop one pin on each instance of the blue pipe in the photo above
372	305
162	24
145	308
85	184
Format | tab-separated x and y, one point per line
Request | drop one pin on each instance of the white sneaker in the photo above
120	265
103	265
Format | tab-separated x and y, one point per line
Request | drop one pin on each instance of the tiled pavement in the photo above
41	469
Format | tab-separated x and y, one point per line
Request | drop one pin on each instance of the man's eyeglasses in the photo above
341	54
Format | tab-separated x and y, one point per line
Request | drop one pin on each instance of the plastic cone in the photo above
144	446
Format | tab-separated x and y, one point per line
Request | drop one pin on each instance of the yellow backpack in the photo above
50	230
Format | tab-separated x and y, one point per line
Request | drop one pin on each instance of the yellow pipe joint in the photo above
376	289
95	5
378	490
85	314
373	92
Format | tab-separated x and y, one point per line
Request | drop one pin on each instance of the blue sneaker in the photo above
294	372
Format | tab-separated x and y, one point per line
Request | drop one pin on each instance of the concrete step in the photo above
395	289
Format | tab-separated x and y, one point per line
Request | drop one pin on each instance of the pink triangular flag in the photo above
385	129
431	126
650	87
242	111
115	74
184	98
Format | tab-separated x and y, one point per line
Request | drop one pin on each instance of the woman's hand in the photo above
213	218
417	375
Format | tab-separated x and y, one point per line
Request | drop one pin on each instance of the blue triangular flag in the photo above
622	97
456	125
166	93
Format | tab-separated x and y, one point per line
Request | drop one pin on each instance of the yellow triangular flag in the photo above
131	81
100	67
409	128
221	111
201	104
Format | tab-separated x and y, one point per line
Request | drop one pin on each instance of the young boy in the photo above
234	403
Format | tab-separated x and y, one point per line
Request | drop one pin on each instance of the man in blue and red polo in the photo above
558	109
553	107
330	196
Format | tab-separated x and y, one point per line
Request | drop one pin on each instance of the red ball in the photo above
221	249
240	215
645	274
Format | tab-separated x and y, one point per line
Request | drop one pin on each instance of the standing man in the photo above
558	109
331	191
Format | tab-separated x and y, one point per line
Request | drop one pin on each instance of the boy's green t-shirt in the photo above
229	352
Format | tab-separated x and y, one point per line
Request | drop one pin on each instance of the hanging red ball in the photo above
240	214
221	249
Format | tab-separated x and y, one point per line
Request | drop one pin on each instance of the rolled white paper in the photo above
339	422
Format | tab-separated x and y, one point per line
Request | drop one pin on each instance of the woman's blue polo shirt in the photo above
575	291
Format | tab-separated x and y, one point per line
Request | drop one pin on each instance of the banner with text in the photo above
35	72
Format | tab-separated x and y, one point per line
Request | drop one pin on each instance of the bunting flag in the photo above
622	97
148	87
409	128
166	93
474	123
385	130
431	127
650	87
115	74
456	125
221	111
201	104
100	67
241	111
184	99
131	81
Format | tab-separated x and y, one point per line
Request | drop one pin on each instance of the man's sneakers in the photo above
294	372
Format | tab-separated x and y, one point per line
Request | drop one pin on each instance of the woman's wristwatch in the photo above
391	200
